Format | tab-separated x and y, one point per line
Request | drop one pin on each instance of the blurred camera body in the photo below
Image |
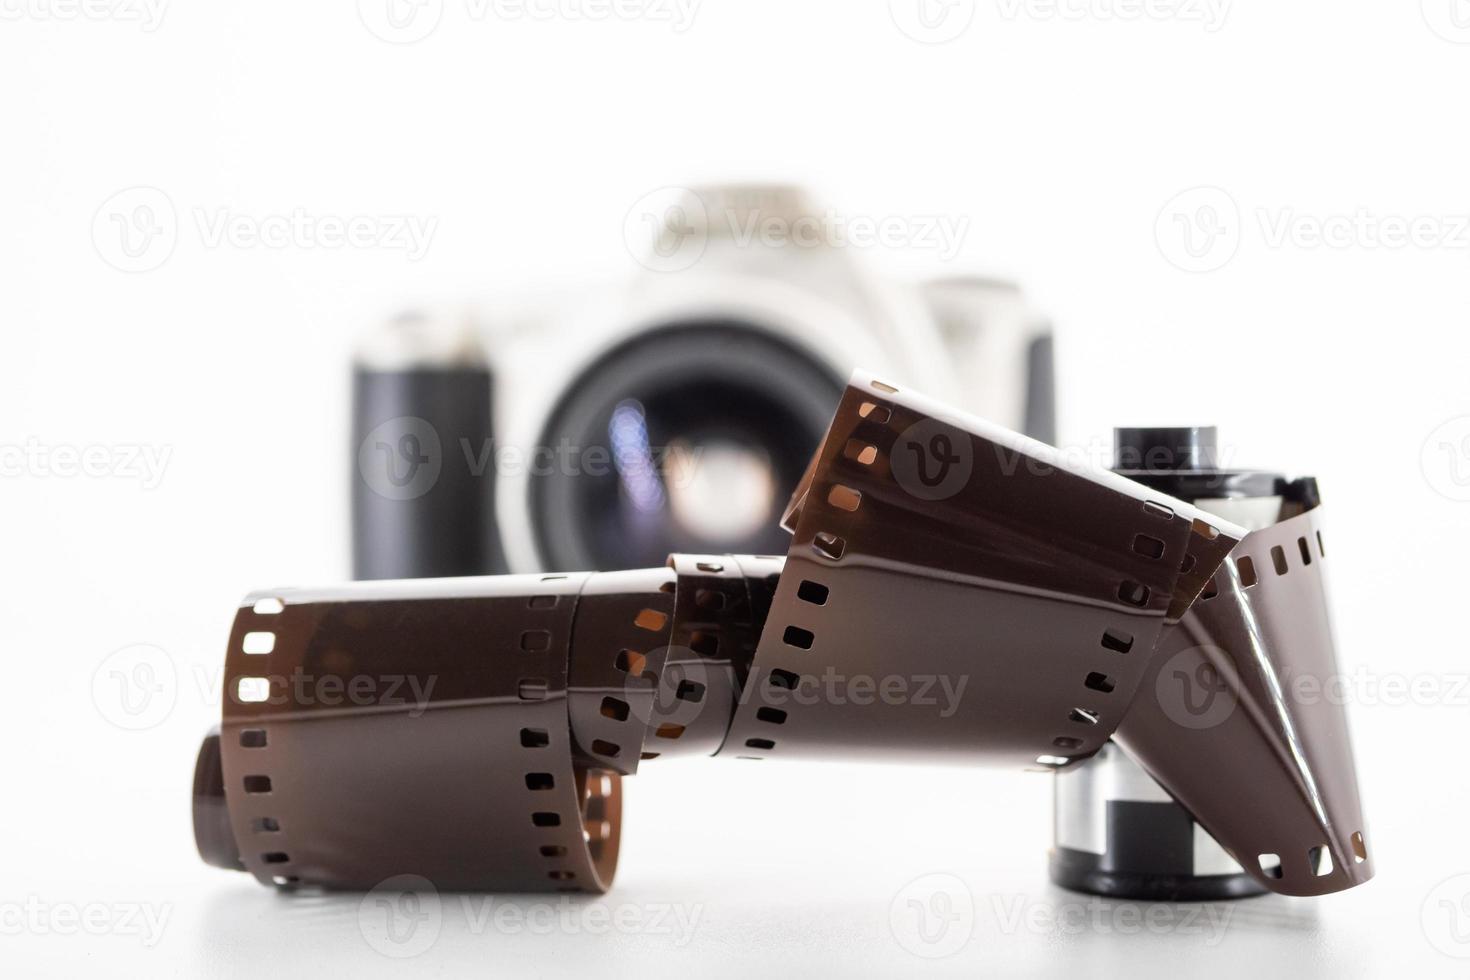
676	410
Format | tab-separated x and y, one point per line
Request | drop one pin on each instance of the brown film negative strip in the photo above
1237	720
953	591
382	728
762	576
413	727
957	591
624	623
660	655
699	676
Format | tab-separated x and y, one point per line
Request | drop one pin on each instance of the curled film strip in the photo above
1229	725
924	543
623	621
472	731
412	727
930	549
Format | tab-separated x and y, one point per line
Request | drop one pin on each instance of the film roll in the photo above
1230	725
472	731
421	727
932	546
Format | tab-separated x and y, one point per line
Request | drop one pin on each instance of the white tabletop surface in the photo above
727	870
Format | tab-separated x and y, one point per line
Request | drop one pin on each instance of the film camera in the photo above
607	428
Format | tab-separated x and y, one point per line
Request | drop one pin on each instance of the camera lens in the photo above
688	438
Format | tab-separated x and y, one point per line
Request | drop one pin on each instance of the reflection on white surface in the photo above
715	881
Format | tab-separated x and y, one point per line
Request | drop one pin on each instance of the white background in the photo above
1064	137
